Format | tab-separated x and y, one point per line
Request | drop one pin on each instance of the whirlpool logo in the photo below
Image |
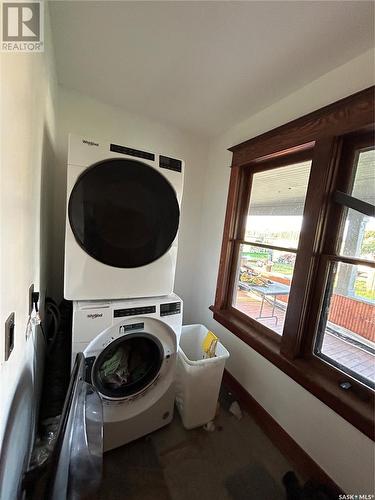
90	143
95	315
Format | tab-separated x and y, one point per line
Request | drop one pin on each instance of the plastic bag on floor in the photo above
45	441
235	409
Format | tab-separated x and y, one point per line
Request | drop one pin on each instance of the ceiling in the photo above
203	66
287	197
290	183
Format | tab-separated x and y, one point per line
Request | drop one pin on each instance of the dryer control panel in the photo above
170	163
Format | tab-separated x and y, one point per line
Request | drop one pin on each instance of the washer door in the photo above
123	213
128	365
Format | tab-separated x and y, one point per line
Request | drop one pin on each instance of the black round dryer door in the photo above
123	213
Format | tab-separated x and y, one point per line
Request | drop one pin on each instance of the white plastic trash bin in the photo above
198	379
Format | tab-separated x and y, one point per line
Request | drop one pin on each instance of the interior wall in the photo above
27	89
340	449
82	115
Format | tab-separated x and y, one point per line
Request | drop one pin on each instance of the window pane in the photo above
276	205
347	329
358	235
263	285
364	179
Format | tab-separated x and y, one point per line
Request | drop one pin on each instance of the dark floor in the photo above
236	461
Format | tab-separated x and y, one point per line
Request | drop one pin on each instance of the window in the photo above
297	269
272	228
346	334
347	328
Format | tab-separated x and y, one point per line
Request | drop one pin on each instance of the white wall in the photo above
27	155
340	449
82	115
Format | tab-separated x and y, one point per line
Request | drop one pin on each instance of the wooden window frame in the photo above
323	136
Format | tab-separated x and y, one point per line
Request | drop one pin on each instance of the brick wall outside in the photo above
353	314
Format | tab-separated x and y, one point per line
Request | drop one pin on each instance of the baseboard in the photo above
303	463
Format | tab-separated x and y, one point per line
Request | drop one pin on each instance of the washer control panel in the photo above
134	311
170	308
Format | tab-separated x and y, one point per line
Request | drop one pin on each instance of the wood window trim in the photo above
318	378
342	117
321	132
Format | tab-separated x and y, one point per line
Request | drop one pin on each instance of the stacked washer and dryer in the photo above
123	211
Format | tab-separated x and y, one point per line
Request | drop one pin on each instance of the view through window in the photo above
347	329
266	259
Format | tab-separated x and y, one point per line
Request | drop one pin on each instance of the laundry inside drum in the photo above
128	365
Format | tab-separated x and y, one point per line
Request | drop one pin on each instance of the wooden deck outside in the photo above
351	356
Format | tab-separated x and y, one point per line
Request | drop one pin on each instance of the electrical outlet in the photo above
9	336
31	291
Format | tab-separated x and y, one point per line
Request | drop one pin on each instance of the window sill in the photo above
354	405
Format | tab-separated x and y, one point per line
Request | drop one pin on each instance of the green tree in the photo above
368	244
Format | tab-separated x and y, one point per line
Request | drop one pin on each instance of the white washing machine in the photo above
122	218
131	351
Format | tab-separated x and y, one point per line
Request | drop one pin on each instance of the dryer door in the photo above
123	213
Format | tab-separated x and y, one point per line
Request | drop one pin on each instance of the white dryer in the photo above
122	219
130	349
